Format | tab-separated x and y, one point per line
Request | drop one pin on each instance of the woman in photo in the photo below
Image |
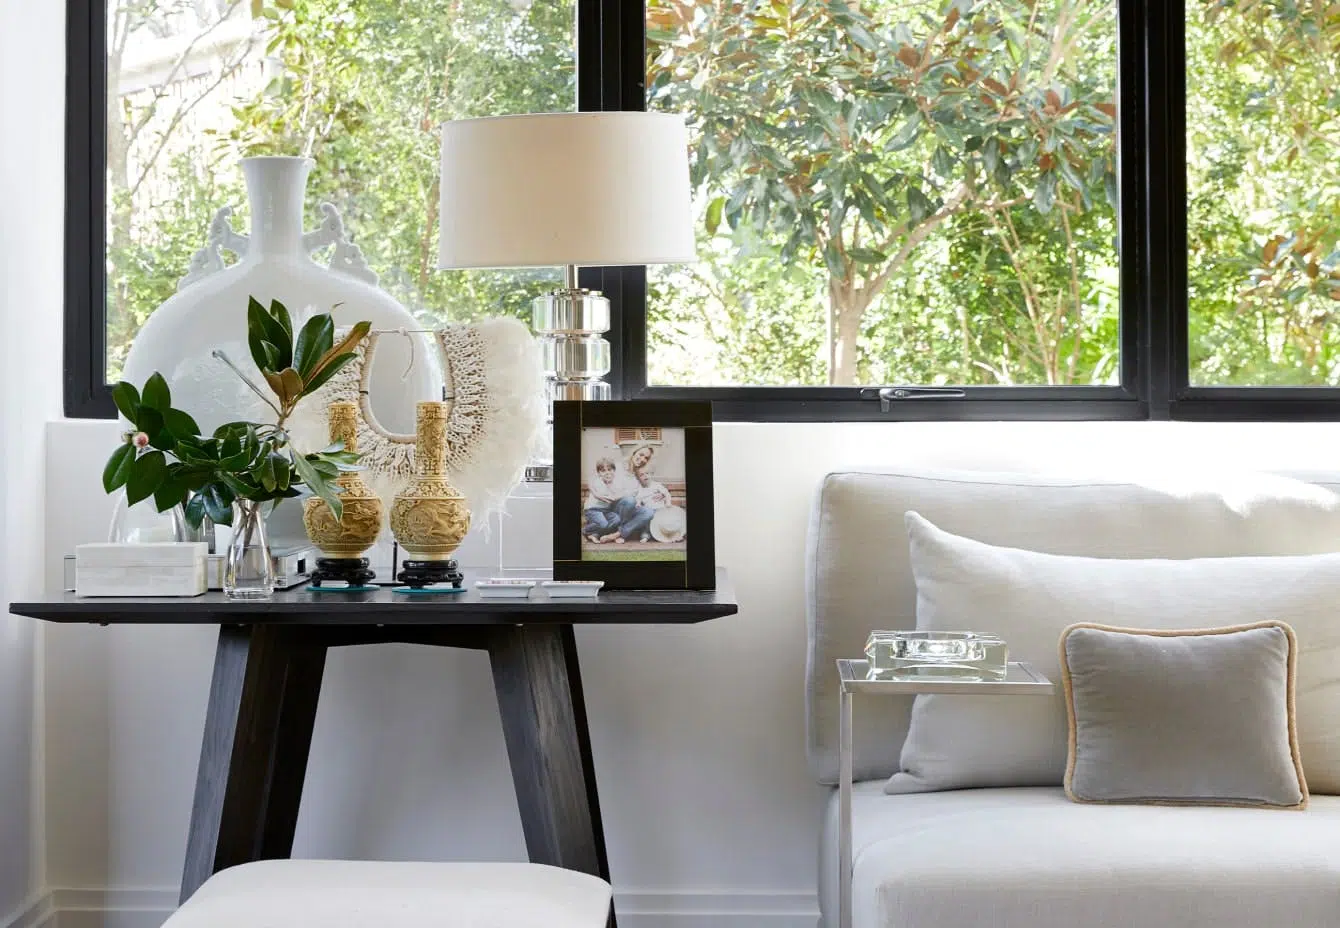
634	516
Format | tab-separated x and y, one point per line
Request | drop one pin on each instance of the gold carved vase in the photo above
355	532
430	517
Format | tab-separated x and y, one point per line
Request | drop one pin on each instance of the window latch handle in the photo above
887	395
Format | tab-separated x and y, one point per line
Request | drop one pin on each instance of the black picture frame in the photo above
698	569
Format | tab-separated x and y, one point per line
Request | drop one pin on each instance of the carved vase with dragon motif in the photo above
430	517
357	529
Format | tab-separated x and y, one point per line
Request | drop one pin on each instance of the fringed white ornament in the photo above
495	384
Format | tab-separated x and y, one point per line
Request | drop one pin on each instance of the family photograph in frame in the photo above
633	494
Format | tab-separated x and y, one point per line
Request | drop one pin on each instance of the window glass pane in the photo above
1263	191
359	85
913	191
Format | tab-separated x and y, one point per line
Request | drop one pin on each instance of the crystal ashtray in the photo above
917	655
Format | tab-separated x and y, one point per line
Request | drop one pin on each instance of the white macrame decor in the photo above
495	383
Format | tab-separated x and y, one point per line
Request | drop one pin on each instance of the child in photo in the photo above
603	494
652	494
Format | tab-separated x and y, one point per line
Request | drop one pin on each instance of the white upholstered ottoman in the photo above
385	894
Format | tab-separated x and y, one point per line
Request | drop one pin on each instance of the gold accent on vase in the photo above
430	517
357	530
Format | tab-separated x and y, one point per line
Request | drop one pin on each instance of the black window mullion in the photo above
87	395
1164	227
611	77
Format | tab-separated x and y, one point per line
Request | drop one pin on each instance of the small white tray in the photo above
572	589
504	588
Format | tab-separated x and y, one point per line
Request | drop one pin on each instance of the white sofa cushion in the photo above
389	894
1029	598
858	575
1030	858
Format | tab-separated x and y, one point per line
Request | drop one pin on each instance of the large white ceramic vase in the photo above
208	311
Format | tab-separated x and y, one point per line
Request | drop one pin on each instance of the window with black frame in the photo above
900	191
360	86
1017	208
1263	193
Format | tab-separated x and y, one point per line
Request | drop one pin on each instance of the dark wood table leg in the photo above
539	688
253	759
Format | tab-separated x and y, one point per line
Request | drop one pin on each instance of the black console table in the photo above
267	679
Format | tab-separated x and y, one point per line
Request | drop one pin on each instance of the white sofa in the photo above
1027	857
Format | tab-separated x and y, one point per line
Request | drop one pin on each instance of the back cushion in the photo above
858	576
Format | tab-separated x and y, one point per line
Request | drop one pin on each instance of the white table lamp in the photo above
567	189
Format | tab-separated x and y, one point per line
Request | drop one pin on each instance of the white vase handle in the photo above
209	260
347	258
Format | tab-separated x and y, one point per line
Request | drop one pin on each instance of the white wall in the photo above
697	732
31	76
698	739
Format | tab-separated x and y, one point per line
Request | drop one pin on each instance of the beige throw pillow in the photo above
1196	717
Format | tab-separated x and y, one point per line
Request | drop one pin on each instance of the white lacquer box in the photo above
156	569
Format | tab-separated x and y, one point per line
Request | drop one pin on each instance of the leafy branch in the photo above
166	457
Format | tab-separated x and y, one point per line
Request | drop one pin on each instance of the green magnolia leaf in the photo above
905	136
281	315
714	211
861	36
117	471
146	475
336	357
156	394
316	338
241	489
278	332
318	484
943	162
260	338
1069	176
195	510
264	472
170	493
180	424
1044	194
918	204
218	502
127	400
833	260
150	422
318	380
867	255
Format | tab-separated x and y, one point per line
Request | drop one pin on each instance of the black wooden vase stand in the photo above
418	574
351	570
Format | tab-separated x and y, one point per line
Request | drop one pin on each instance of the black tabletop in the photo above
384	607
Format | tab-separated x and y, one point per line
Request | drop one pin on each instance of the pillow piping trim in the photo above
1072	727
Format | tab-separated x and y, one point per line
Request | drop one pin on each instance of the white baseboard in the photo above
37	912
149	908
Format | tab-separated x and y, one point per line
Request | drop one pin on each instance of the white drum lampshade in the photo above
558	189
567	189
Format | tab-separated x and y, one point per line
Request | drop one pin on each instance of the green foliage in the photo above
889	190
850	135
164	456
362	86
1263	135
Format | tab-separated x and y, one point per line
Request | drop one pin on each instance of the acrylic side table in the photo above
268	666
1020	680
